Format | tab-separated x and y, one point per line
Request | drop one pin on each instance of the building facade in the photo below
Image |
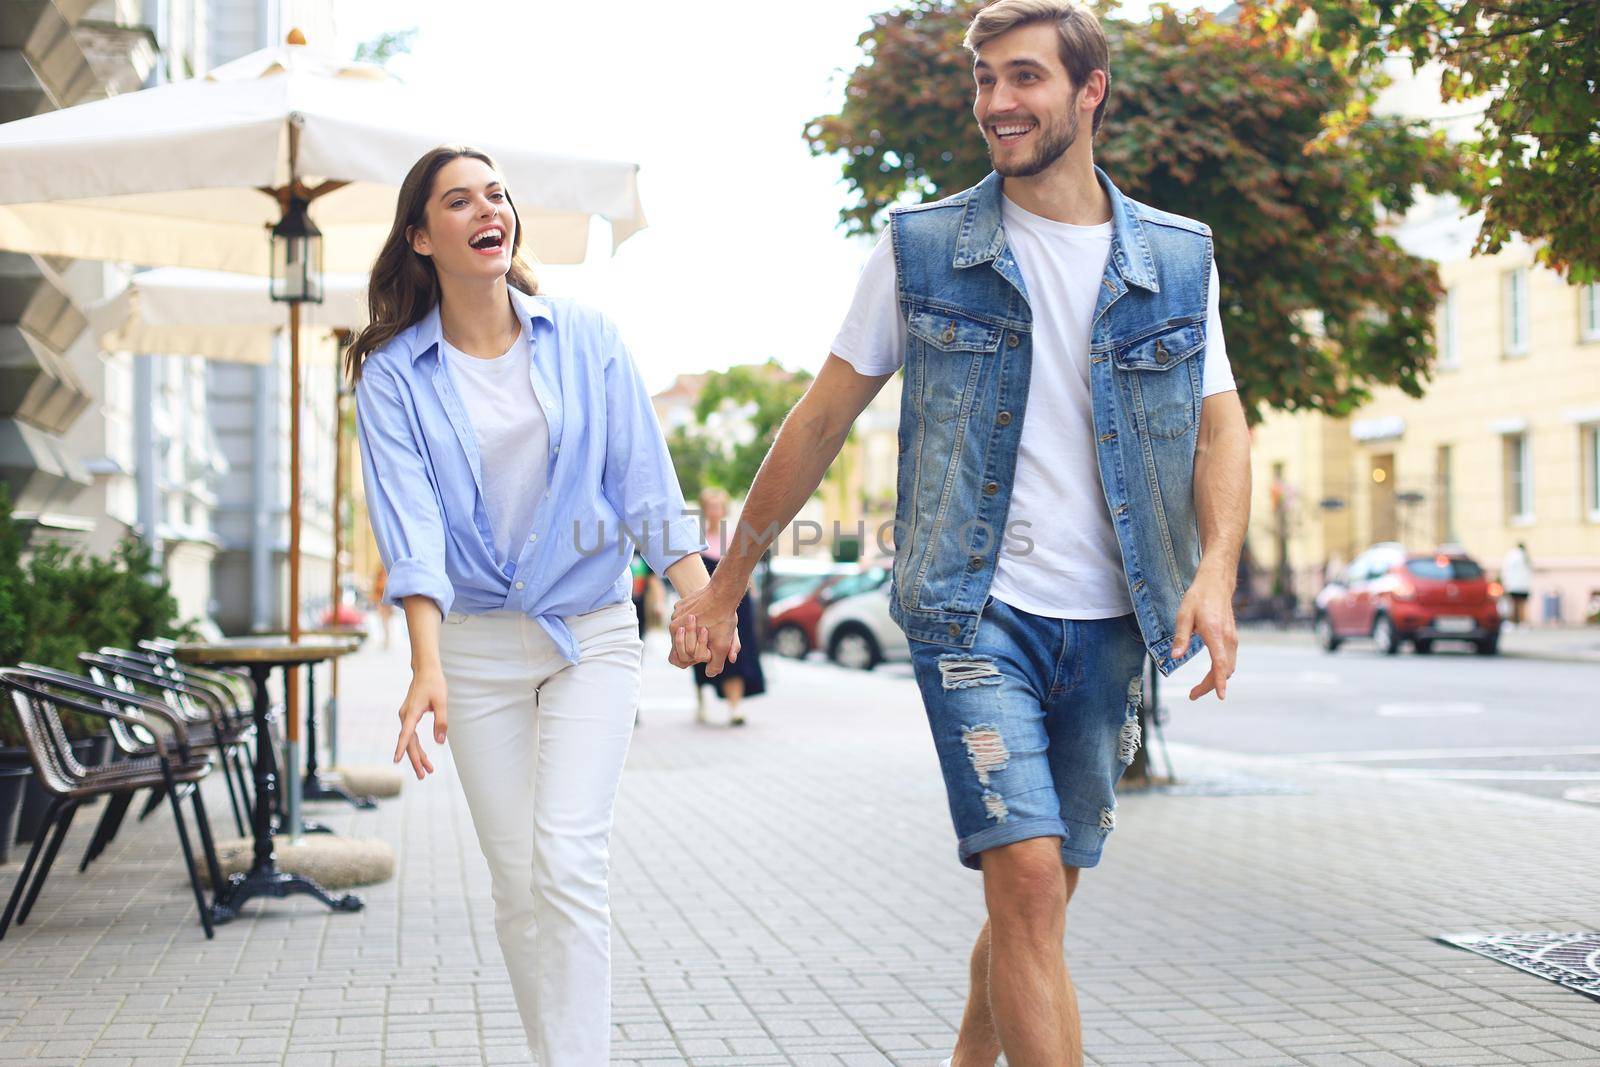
1503	448
192	456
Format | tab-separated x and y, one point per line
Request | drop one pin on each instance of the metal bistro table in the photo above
309	784
312	785
260	656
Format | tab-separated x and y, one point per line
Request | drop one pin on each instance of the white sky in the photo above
744	258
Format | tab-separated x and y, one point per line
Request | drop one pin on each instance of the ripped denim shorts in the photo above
1034	726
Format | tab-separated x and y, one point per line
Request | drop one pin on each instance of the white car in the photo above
858	633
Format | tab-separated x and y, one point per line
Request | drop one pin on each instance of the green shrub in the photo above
60	602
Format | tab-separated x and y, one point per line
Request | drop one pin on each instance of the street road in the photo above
1498	722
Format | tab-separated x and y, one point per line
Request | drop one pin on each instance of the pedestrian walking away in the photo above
385	610
1516	578
506	439
745	678
1072	493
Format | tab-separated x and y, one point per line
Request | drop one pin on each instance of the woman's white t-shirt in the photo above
513	438
1073	567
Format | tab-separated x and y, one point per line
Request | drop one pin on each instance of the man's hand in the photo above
712	612
1207	608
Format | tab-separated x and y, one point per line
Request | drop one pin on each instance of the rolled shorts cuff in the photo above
1007	833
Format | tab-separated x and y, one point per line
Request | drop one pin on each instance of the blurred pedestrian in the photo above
385	610
512	566
1516	578
647	594
745	678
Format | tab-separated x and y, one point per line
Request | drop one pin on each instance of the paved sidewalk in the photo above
788	894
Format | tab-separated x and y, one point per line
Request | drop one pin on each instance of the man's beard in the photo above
1052	146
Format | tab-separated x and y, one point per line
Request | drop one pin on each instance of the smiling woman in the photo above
501	430
405	279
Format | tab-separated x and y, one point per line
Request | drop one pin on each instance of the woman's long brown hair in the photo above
404	285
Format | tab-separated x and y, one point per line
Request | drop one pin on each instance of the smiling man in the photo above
1073	493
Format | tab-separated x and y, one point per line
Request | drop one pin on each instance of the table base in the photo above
316	788
270	882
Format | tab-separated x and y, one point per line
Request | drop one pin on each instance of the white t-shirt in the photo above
1074	568
513	438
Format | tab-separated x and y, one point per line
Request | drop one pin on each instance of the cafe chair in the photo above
212	722
39	695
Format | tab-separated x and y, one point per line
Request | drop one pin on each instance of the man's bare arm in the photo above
1222	510
1222	482
807	443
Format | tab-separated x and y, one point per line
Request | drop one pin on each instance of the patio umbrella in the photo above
195	173
175	311
214	315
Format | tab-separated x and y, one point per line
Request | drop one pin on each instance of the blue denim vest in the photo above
968	357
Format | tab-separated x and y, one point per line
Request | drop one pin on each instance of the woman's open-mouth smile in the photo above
488	241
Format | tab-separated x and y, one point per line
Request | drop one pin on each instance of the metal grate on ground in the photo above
1572	960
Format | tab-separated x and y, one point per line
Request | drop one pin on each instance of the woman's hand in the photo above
689	644
427	693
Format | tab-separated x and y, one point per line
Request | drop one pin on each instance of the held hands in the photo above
705	629
427	693
1207	609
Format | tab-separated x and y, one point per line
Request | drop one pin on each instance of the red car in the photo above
1395	597
795	618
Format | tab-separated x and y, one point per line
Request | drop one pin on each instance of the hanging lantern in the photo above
296	257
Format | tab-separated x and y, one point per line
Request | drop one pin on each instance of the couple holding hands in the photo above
1072	497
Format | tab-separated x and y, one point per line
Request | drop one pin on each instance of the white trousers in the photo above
539	745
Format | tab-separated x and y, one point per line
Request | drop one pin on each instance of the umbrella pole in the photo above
291	679
338	538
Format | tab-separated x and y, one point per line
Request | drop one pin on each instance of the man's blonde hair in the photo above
1082	42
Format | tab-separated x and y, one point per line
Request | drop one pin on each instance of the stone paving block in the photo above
1251	931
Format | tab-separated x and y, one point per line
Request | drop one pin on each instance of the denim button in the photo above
1161	353
1004	418
991	488
955	631
1013	341
975	563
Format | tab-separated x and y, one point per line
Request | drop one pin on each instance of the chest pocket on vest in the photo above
1161	378
953	349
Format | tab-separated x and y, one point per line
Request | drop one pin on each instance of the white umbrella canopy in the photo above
195	174
175	311
176	175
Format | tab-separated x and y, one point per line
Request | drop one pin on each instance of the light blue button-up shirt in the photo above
610	478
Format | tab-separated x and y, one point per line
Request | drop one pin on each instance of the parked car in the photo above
795	619
1398	597
858	632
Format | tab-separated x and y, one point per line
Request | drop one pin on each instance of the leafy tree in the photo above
386	46
758	394
1535	167
1221	120
693	457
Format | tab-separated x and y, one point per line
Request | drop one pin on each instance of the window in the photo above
1444	516
1444	568
1516	312
1591	471
1589	312
1519	478
1449	357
